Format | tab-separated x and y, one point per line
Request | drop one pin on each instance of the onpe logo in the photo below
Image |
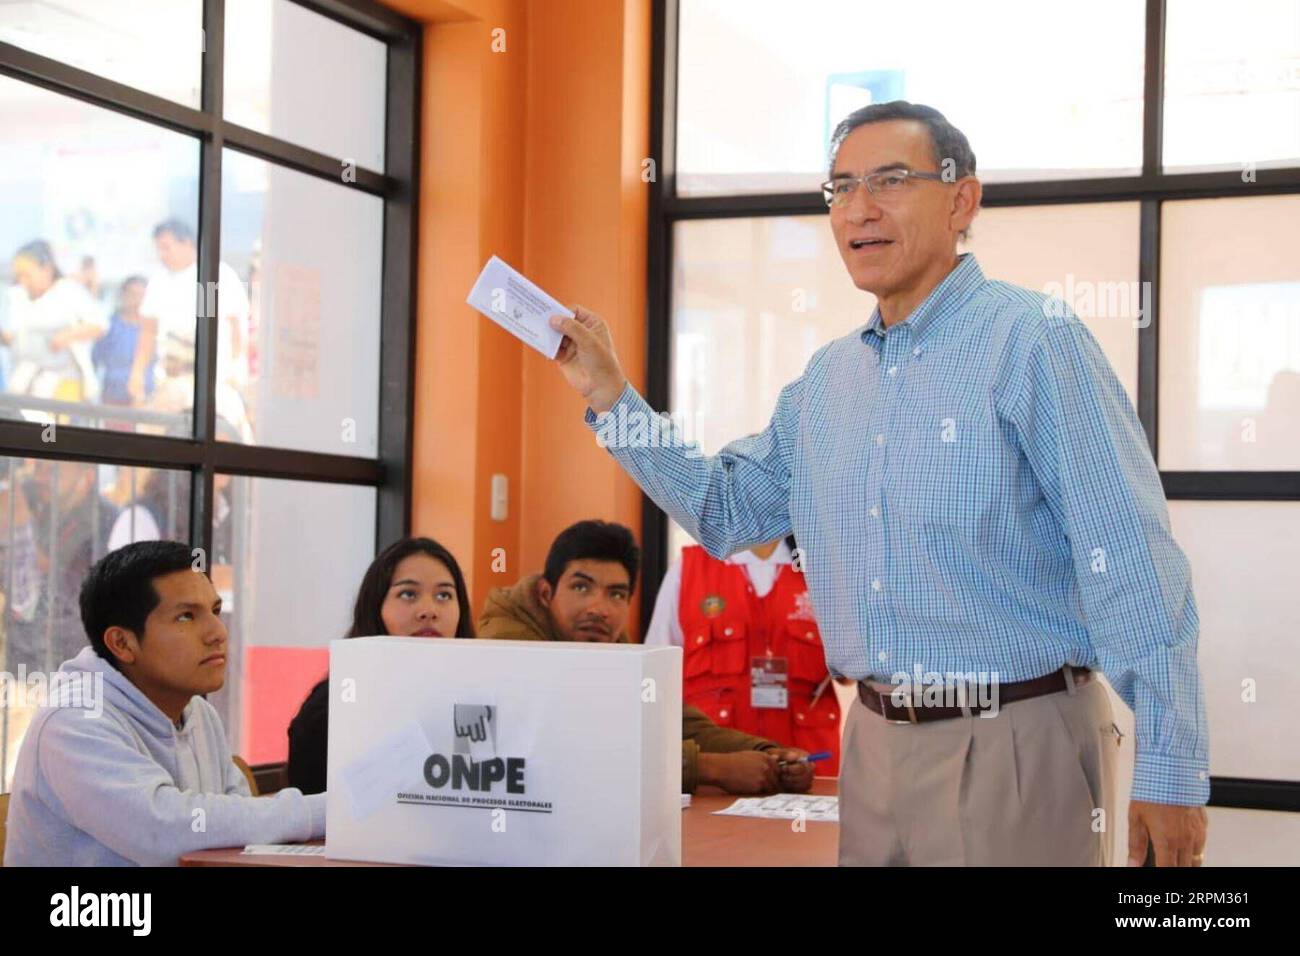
475	726
474	763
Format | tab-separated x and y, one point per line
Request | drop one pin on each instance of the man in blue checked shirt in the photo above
983	531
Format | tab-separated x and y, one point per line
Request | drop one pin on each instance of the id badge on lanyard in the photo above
769	683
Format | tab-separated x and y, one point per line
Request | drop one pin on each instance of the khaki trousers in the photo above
1019	789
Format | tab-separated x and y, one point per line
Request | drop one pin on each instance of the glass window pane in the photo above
305	78
153	45
300	363
288	557
1086	255
1230	335
762	84
1243	557
1232	84
56	519
83	191
776	284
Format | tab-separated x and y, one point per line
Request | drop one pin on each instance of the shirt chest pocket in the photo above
953	463
714	646
804	648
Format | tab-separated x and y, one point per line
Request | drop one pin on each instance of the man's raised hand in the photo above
587	358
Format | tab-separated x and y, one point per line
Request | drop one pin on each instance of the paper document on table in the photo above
285	849
518	306
786	806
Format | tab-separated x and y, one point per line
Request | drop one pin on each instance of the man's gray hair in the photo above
950	143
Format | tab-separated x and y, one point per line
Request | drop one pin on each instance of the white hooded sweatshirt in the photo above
112	782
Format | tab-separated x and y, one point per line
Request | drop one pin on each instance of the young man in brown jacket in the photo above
583	595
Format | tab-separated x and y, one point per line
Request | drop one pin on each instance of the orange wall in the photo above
534	154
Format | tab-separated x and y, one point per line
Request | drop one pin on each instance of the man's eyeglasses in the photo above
887	183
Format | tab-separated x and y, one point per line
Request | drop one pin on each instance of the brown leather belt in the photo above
917	712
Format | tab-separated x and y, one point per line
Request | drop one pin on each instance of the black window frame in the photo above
1149	188
202	455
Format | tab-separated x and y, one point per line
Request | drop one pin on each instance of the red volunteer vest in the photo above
725	624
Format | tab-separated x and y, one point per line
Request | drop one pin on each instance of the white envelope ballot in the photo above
518	306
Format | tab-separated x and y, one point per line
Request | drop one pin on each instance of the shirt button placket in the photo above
895	344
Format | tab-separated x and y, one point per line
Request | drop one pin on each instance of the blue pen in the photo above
811	758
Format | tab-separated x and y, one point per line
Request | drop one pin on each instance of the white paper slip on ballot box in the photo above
530	753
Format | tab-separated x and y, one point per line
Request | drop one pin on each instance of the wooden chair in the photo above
4	818
247	771
271	777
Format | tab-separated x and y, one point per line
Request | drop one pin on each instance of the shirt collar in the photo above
944	299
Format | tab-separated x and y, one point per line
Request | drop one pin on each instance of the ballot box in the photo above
530	753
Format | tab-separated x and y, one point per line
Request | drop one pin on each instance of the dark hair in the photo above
179	230
130	281
948	141
592	541
157	493
366	617
119	592
39	251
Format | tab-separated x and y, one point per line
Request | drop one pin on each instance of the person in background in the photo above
88	276
168	328
70	522
114	354
9	305
414	588
48	327
752	653
583	595
169	311
150	513
223	517
127	787
20	595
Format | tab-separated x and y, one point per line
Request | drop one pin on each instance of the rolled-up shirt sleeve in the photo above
1089	454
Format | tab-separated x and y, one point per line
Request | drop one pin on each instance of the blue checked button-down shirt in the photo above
972	492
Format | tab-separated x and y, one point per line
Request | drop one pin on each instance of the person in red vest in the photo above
752	653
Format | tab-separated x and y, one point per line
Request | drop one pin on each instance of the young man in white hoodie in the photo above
140	772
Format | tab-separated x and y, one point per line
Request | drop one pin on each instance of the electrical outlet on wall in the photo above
500	497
